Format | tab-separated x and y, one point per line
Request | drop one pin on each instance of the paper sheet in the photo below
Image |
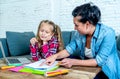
36	65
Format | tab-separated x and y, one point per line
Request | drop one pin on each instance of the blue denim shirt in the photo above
103	46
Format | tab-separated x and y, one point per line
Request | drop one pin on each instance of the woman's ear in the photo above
87	24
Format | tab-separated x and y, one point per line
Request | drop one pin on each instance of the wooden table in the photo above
75	73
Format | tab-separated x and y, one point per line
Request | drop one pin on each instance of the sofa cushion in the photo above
18	42
5	47
66	35
118	44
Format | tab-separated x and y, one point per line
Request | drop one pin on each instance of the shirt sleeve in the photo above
71	47
34	52
106	48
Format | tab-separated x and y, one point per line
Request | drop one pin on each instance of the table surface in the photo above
76	72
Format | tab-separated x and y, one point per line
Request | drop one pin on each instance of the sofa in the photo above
17	43
118	44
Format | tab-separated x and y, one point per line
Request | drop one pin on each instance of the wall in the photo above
25	15
109	10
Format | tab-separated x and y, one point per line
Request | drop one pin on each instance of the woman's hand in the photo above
67	62
33	40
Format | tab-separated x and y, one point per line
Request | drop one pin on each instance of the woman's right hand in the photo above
33	40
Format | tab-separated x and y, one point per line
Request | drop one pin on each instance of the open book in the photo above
44	67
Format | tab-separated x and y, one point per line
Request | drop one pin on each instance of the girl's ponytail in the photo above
58	34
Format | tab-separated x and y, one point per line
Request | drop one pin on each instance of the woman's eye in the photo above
76	25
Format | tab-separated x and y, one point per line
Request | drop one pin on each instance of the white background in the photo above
25	15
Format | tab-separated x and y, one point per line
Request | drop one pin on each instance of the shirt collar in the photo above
97	29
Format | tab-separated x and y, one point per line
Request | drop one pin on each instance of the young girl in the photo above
47	42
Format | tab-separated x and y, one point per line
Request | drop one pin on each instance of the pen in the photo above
59	63
41	68
7	67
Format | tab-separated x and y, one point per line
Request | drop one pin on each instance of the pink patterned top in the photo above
45	50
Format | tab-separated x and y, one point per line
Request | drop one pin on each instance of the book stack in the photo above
36	68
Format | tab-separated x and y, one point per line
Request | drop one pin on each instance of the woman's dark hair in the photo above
88	12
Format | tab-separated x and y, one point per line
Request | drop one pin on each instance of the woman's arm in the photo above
67	62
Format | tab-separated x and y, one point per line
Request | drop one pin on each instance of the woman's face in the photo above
79	26
45	31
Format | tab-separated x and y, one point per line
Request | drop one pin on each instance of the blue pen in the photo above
41	68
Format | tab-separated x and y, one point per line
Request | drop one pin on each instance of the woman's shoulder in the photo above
106	29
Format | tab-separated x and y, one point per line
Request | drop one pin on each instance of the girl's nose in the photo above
43	33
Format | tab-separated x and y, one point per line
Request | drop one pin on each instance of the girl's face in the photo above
82	28
45	31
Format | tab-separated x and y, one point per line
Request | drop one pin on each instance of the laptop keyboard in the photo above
13	60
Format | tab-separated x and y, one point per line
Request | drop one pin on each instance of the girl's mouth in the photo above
43	37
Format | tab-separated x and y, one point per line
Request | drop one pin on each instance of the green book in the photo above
35	67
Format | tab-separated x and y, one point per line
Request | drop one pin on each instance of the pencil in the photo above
57	72
7	67
59	63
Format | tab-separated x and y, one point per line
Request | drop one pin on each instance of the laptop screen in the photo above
22	60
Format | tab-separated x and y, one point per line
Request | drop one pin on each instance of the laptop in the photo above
14	61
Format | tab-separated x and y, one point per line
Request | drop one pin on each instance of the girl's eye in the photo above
42	30
47	32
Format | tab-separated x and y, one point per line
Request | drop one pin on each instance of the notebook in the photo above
35	68
36	65
15	61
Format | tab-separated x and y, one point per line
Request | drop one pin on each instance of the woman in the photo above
96	43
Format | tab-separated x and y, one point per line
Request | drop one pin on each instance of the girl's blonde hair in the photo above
59	36
56	31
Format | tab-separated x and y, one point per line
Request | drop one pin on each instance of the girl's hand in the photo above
50	60
47	38
33	40
67	62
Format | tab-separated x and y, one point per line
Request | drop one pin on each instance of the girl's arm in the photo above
34	52
62	54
